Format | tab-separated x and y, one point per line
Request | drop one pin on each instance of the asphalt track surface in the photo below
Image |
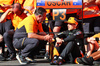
40	62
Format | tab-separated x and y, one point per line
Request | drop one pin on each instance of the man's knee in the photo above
5	35
17	44
71	44
35	42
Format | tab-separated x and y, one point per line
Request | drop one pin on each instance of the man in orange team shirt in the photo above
4	5
16	15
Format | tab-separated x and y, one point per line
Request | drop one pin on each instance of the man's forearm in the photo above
69	38
42	33
73	36
33	35
2	18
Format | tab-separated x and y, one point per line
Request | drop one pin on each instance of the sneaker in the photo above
54	61
79	61
87	61
12	57
21	59
30	60
60	61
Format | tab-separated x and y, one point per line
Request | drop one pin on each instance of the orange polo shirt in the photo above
31	25
29	3
19	1
16	19
28	25
8	2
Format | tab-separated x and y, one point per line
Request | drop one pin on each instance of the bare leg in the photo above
90	49
96	55
85	48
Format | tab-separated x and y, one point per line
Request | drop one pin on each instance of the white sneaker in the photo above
21	59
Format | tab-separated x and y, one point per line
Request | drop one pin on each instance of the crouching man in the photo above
26	36
66	45
94	45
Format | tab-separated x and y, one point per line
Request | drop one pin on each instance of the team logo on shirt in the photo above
40	2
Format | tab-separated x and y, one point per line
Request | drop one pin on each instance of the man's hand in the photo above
6	6
57	45
91	40
10	10
59	41
3	17
48	38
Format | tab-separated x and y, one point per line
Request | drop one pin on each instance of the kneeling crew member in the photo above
26	37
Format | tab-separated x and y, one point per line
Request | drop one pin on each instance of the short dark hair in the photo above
19	6
39	11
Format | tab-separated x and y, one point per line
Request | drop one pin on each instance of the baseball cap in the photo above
72	20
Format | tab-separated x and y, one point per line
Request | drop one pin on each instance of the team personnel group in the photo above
25	30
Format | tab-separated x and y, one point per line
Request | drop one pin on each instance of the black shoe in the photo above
21	59
12	57
54	61
30	60
60	61
79	61
87	61
2	57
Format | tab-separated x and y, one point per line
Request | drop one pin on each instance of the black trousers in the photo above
8	38
69	50
6	26
26	45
